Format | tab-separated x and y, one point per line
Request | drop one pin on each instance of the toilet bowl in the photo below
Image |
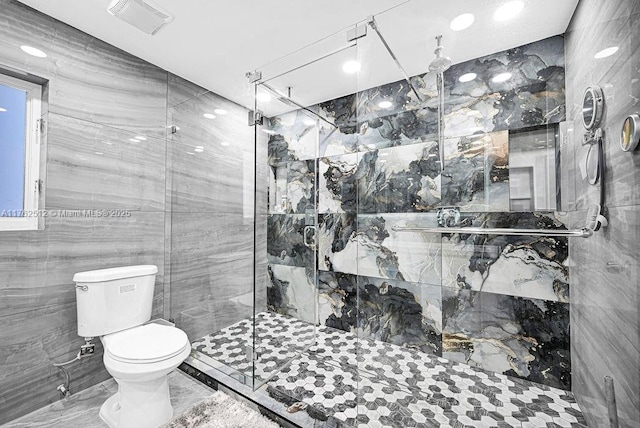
115	305
139	359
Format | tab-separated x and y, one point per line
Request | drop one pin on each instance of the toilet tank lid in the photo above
115	273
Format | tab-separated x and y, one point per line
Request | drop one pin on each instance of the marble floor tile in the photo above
82	409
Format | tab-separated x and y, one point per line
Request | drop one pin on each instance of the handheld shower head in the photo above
441	63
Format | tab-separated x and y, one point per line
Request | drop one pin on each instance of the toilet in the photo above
115	305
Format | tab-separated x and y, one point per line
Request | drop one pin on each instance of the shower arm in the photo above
288	100
372	23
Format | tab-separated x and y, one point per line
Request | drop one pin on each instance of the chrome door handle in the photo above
305	236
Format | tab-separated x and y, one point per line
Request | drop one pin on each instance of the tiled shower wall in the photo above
98	99
605	295
496	302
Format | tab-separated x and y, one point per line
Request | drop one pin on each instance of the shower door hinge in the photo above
41	125
254	76
255	118
356	32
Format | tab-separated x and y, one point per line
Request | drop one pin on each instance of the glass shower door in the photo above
298	130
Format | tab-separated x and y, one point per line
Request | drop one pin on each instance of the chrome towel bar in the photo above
581	233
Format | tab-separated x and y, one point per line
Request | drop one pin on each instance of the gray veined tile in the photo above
37	266
212	160
92	166
88	79
181	90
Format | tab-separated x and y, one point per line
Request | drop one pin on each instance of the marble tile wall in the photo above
192	216
378	170
605	297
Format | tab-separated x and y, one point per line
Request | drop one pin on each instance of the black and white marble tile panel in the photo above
406	314
525	266
534	95
295	137
338	184
399	179
292	292
476	172
373	248
292	187
522	337
383	252
285	243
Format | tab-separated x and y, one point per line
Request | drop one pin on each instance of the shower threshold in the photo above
356	382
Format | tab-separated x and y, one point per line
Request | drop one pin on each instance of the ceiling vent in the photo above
141	14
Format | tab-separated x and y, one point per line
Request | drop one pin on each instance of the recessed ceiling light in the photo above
220	111
462	22
99	153
33	51
385	104
133	140
141	137
209	116
198	149
351	67
2	110
606	52
225	143
508	10
468	77
264	97
190	153
502	77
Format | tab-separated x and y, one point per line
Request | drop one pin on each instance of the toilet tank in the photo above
111	300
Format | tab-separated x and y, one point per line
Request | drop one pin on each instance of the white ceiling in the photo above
214	43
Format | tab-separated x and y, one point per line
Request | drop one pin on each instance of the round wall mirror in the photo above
592	106
630	135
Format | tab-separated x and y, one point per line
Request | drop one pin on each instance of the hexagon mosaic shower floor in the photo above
366	383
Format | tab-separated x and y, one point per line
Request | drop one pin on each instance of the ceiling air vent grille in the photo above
141	14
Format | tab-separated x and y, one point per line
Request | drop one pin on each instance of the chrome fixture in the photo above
374	26
439	66
593	222
630	135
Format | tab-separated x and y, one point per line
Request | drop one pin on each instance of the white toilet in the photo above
114	304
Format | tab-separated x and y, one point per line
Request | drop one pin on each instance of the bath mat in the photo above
220	411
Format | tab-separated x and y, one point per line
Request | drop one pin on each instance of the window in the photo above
20	124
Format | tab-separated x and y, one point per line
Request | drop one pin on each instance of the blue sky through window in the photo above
12	147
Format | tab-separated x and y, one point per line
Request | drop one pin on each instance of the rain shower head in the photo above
441	63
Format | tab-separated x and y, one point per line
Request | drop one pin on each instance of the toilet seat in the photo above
145	344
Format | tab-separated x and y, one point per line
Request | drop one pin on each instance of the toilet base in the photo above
138	405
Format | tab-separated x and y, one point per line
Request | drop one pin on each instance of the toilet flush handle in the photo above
82	287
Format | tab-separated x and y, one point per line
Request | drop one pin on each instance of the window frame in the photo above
32	184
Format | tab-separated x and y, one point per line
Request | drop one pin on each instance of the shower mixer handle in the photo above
305	236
